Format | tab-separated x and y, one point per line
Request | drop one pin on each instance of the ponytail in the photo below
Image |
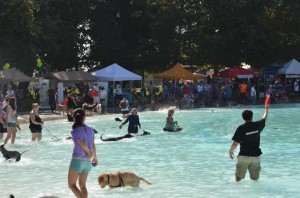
78	116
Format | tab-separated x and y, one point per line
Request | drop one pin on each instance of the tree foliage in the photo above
148	34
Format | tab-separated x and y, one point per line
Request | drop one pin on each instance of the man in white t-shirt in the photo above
102	96
296	87
253	94
10	92
119	92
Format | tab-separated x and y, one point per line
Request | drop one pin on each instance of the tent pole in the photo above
113	94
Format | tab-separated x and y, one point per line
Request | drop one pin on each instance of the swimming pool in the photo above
191	163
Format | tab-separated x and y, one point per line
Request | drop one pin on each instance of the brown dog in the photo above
120	179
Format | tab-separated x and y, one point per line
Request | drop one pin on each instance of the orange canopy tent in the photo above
177	72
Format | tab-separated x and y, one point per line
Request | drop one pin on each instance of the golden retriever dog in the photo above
61	108
120	179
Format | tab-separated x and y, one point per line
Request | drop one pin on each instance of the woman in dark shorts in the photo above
71	105
36	123
2	121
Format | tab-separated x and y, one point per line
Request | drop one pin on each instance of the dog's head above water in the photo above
2	147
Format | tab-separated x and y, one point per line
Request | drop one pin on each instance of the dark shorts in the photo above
11	125
35	130
125	111
133	129
2	129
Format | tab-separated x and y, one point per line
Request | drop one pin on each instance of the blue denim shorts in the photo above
10	124
81	165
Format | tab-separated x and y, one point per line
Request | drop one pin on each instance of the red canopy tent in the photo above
235	72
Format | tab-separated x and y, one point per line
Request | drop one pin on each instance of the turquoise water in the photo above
192	163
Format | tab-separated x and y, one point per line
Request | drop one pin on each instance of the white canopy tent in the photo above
114	73
291	69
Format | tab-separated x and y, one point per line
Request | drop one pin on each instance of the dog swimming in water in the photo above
128	135
10	154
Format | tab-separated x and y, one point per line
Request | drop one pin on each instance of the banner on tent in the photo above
245	76
43	92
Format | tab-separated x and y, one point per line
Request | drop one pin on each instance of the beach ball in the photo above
6	66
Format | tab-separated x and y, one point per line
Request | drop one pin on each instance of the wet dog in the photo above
128	135
10	154
96	107
120	179
145	133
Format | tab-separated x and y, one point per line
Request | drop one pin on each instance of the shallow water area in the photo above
190	163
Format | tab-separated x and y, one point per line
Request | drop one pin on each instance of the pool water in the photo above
191	163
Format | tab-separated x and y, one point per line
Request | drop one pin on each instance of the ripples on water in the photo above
192	163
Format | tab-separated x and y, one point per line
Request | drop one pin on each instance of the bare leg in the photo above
9	133
1	136
13	135
72	179
82	184
39	136
34	136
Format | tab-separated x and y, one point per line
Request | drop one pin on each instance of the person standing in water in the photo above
36	122
134	122
11	119
84	149
2	121
248	136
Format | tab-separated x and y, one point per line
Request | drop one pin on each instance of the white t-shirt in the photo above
296	86
102	94
119	89
252	92
10	93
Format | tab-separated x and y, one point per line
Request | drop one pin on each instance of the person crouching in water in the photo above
36	123
134	122
124	106
170	124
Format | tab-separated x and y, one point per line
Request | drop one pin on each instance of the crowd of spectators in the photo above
205	93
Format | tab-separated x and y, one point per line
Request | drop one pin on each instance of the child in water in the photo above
170	124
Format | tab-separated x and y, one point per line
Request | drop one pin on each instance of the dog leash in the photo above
51	133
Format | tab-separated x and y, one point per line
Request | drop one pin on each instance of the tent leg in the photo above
113	94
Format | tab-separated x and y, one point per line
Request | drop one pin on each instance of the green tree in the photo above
16	33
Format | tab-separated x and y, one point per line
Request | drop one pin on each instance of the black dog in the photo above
145	133
10	154
128	135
